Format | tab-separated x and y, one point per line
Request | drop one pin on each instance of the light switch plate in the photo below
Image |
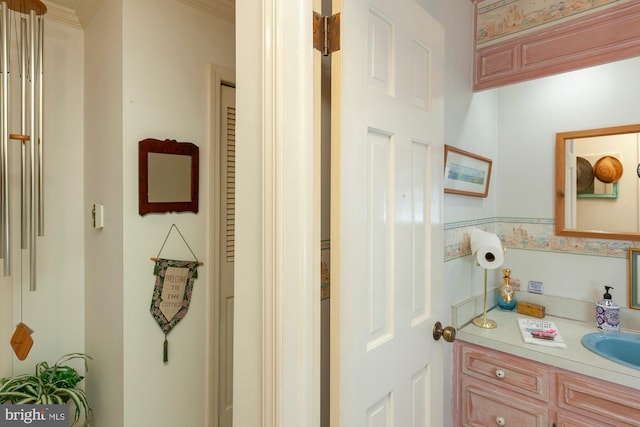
98	216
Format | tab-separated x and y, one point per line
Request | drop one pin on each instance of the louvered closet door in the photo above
227	226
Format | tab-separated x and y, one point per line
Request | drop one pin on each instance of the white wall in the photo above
248	301
147	77
471	124
530	114
167	49
103	177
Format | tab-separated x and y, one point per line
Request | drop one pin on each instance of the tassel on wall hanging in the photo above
172	290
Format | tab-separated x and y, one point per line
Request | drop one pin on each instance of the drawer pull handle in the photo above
500	374
500	421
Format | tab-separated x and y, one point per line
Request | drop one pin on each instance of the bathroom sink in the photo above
619	347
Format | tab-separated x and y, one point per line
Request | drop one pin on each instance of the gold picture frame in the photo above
466	173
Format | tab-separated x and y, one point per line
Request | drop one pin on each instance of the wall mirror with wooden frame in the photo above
167	176
598	183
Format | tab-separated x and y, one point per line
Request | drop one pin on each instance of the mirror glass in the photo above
598	184
168	176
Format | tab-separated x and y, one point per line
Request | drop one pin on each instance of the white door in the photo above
387	237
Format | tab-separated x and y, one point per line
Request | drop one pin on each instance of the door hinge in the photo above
326	33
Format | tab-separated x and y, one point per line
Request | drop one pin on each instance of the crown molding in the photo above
87	9
223	9
79	18
62	15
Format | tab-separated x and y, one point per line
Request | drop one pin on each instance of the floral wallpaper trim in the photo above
535	234
508	18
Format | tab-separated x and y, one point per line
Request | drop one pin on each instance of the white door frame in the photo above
277	275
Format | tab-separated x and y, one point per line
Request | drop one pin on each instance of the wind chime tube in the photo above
30	40
34	151
24	203
40	139
2	127
4	142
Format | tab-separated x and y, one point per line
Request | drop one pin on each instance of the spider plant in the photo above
55	384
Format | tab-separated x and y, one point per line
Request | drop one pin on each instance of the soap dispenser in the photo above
506	293
607	312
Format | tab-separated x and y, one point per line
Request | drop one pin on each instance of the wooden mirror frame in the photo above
168	146
561	139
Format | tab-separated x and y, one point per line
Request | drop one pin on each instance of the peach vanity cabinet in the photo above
492	388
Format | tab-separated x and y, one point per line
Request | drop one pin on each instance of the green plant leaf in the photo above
10	396
51	384
79	399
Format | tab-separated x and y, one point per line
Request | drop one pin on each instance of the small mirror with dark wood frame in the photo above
168	176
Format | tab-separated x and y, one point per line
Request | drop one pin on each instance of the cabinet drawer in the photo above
573	420
511	373
484	407
593	398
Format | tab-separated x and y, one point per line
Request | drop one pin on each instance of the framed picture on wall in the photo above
634	272
466	173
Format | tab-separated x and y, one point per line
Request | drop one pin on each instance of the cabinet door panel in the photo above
503	370
615	404
489	407
573	420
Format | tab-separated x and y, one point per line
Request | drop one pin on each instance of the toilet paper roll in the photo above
487	249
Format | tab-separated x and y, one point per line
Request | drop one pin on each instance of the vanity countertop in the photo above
507	338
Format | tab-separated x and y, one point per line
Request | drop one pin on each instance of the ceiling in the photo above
80	12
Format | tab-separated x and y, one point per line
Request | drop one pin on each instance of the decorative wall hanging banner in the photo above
172	294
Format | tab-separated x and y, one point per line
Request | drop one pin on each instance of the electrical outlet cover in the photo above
536	287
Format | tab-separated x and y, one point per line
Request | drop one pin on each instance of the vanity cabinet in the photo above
493	388
484	406
609	403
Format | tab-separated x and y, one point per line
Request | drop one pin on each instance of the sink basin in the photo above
619	347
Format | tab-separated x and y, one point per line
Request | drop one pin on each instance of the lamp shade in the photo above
487	249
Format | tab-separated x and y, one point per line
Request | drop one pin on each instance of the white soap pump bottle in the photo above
607	313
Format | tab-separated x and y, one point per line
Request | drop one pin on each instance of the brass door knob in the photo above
448	332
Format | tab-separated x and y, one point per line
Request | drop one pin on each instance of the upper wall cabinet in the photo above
518	40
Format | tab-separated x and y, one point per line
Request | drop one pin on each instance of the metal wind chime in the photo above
21	93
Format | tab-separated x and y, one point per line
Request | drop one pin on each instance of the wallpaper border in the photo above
535	234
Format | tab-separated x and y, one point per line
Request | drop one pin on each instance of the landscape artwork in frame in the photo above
466	173
634	275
